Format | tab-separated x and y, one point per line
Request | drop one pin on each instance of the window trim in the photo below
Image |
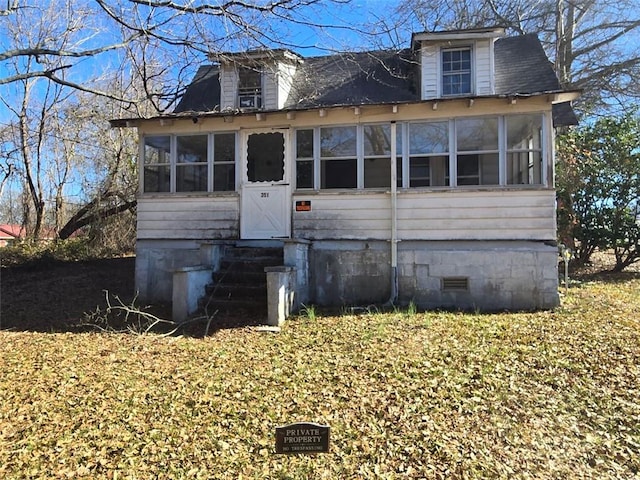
173	163
472	69
256	92
403	154
179	165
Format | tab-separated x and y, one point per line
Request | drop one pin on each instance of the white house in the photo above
422	175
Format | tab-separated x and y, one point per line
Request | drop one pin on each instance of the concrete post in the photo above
189	285
280	293
296	254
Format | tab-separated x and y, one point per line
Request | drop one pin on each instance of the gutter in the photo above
393	297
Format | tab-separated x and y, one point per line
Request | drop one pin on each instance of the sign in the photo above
303	205
302	438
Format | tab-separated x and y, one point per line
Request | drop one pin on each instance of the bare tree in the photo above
71	65
591	42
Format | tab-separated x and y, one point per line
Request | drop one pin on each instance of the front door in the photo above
264	202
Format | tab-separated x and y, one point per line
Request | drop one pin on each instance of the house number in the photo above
264	194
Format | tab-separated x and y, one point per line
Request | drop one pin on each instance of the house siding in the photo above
286	72
228	87
483	68
483	79
188	218
433	215
430	69
270	89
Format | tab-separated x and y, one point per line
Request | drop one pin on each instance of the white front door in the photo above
265	194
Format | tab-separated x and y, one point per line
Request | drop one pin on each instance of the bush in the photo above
26	252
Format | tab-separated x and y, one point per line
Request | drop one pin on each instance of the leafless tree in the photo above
68	66
591	42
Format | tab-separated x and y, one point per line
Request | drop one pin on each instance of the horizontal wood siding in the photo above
344	216
447	215
429	71
188	218
270	92
483	68
228	86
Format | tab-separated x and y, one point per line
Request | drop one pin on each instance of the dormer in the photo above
257	79
456	63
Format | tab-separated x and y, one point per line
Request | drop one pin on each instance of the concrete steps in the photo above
239	288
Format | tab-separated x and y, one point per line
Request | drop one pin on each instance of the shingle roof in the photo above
523	67
387	76
203	93
354	78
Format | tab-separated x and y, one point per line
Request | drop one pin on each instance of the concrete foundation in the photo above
483	275
500	275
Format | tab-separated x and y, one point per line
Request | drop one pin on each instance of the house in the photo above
423	175
10	233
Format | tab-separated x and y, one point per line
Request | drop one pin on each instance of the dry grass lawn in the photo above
546	395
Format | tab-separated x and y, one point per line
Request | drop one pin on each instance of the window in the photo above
428	154
249	88
304	159
157	163
189	158
224	162
483	151
338	157
377	156
456	71
477	152
265	157
524	149
191	163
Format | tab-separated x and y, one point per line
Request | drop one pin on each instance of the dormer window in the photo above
456	71
249	88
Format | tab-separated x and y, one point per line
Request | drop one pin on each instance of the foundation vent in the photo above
459	284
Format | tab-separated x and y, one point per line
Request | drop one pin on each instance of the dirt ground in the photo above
58	296
54	296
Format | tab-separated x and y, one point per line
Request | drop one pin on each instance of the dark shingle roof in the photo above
353	79
523	67
387	76
203	93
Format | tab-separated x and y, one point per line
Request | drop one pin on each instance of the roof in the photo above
10	231
250	56
389	76
467	34
203	93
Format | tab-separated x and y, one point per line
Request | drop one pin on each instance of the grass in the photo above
421	395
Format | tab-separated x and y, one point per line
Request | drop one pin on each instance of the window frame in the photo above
169	165
530	151
255	92
356	157
469	72
179	165
446	154
404	155
173	164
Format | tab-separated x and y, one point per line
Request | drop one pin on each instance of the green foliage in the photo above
599	189
412	308
308	311
73	249
528	395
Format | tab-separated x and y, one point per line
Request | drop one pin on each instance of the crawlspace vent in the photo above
459	284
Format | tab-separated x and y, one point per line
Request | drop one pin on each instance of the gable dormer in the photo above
257	79
456	63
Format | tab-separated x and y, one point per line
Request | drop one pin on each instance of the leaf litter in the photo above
420	395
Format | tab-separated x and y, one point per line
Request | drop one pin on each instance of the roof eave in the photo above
553	97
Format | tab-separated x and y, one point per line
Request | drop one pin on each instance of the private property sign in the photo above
302	438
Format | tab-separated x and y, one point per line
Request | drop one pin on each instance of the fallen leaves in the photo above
433	395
